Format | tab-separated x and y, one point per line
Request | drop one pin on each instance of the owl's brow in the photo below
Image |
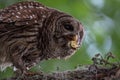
63	16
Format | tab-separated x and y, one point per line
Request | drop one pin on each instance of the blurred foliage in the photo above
100	19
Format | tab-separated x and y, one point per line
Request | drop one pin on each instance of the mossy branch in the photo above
101	69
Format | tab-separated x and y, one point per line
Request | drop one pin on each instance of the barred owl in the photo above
31	32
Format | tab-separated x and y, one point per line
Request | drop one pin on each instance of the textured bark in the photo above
90	72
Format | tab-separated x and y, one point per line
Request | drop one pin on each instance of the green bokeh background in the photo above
101	20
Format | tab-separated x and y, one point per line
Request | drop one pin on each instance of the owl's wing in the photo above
20	15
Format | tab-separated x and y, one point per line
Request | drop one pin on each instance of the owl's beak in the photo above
74	42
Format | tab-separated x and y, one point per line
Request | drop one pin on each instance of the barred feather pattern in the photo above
29	33
19	26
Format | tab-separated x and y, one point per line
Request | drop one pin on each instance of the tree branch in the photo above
91	72
101	69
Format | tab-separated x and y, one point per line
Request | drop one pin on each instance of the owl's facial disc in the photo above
69	34
72	31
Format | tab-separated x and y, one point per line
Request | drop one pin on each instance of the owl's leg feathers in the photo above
17	50
19	64
21	67
19	54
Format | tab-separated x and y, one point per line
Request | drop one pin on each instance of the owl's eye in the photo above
68	27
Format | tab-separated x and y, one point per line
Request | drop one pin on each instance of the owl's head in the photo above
66	35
